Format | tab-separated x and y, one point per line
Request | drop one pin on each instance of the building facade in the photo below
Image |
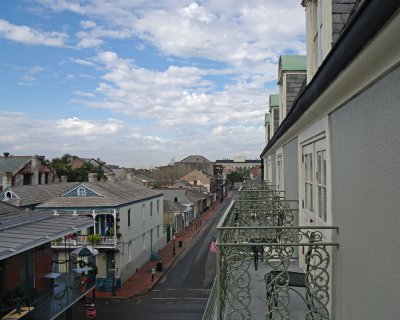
127	224
325	155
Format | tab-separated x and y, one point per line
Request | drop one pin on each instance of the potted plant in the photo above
93	238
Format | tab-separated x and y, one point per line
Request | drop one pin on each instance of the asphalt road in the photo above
183	291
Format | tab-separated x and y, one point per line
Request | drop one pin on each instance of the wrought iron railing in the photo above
67	289
81	240
211	306
260	226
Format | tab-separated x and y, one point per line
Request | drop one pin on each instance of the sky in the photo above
141	83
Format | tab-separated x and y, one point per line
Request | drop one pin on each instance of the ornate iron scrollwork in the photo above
262	218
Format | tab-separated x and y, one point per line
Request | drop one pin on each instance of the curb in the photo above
142	292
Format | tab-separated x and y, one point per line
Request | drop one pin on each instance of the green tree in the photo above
238	175
63	168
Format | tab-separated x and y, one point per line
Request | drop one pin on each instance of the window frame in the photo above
316	138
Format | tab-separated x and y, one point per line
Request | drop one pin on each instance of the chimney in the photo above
64	179
111	176
35	165
6	179
92	177
128	176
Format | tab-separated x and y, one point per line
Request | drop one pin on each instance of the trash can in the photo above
159	266
180	244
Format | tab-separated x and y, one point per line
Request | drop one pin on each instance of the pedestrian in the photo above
153	272
84	283
255	256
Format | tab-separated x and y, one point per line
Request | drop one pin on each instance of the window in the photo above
279	172
314	157
321	184
158	206
81	192
319	33
8	195
129	217
151	208
314	185
144	242
158	232
308	180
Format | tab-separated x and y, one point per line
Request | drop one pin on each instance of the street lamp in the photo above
173	245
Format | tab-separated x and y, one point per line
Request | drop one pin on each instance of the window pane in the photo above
319	201
325	217
324	167
319	165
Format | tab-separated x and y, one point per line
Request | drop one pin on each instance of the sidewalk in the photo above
141	280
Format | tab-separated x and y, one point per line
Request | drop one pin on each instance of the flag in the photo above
213	247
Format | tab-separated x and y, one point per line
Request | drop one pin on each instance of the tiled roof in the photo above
185	196
13	164
142	176
173	206
21	230
195	158
34	194
113	194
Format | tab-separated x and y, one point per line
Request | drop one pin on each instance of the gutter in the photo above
366	23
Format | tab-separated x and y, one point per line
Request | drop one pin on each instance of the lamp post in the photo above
173	245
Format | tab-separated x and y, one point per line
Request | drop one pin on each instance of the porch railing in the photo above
260	226
80	240
66	290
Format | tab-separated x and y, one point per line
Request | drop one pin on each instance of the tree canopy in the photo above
238	175
63	168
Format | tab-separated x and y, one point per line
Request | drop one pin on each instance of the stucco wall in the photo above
291	180
132	236
365	142
273	166
291	175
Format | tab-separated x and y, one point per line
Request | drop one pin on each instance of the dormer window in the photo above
81	192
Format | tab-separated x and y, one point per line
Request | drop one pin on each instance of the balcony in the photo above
79	240
268	268
66	290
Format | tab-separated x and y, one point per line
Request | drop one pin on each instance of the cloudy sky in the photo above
141	82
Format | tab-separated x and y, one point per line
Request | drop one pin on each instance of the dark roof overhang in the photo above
365	24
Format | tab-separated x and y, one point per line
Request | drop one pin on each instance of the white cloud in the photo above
77	127
86	24
84	94
83	62
218	100
27	35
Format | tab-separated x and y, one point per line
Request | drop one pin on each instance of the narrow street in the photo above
183	291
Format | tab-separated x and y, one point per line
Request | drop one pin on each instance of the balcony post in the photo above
115	226
218	299
94	221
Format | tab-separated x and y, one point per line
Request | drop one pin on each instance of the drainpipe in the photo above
218	299
115	226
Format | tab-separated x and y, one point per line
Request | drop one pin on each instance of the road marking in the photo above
183	298
201	290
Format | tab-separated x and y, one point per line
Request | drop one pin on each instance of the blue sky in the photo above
141	82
